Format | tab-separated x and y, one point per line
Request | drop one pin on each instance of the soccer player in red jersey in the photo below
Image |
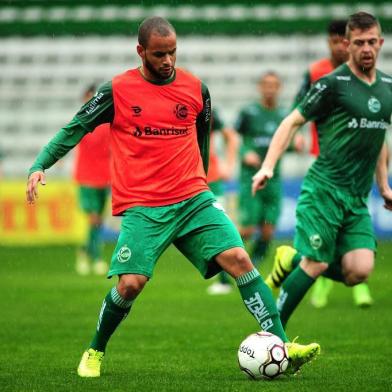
92	174
160	122
318	69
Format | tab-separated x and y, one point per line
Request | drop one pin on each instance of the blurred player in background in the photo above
257	124
352	107
220	170
160	127
92	174
337	56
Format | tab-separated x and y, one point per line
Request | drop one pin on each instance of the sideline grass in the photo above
177	338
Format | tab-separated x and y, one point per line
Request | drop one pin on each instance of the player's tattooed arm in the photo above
382	177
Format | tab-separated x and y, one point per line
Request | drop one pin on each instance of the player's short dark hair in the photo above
362	21
337	27
153	24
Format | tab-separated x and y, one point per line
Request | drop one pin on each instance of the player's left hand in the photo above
260	179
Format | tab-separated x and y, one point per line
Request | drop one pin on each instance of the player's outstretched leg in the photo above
286	258
259	301
114	309
300	355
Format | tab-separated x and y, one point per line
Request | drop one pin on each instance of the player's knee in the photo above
129	286
360	274
313	268
242	261
235	261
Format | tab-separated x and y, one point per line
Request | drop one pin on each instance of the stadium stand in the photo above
42	76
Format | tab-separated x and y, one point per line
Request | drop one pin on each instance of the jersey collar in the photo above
159	82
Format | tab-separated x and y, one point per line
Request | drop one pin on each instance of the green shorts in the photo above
264	207
331	222
93	200
198	227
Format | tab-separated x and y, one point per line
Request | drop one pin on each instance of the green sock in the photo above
296	259
114	310
259	301
94	250
224	278
335	272
258	252
293	290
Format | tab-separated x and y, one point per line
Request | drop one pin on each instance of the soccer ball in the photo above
263	355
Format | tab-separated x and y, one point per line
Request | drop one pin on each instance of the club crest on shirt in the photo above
374	105
181	111
315	241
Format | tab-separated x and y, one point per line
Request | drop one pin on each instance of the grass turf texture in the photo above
177	338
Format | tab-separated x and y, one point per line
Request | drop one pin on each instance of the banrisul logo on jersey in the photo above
365	123
152	131
374	105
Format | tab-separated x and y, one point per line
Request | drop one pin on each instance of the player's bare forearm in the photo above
282	138
278	146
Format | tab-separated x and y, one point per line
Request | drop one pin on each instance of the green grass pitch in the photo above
177	338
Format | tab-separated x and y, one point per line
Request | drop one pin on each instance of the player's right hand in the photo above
260	179
32	185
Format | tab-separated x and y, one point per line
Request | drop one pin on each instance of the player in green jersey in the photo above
151	221
337	56
256	124
352	108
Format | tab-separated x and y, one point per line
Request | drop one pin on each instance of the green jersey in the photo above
257	126
351	117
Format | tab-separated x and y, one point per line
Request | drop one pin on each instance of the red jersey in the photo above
156	158
92	161
316	71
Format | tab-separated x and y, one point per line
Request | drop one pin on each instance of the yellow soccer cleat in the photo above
362	296
320	292
300	354
283	265
90	364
